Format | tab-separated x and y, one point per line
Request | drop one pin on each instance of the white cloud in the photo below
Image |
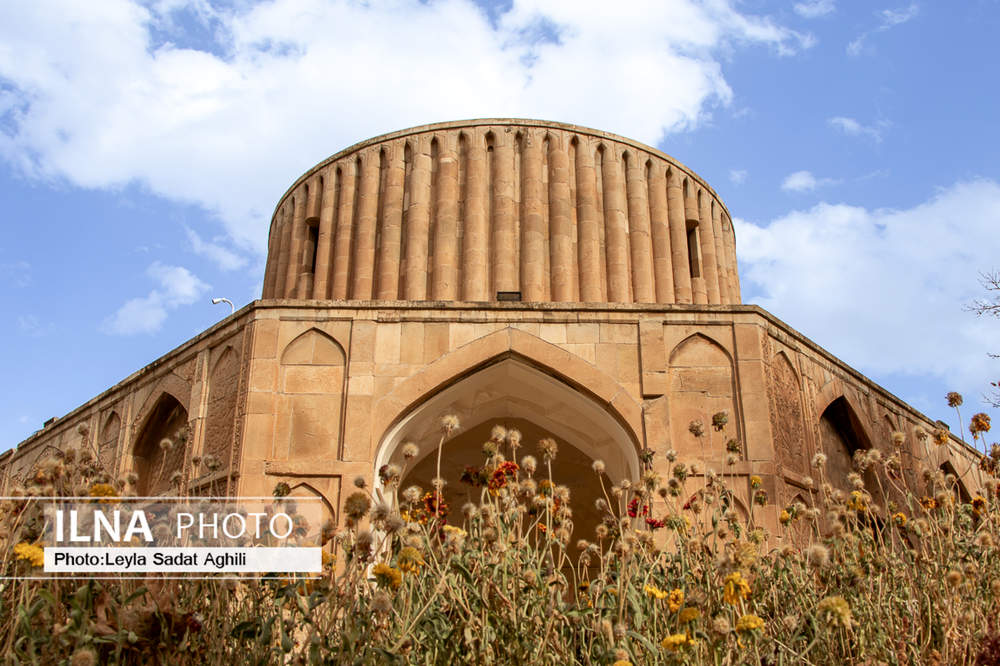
223	257
177	286
894	17
852	127
31	326
804	181
888	18
885	290
99	95
738	176
17	273
814	8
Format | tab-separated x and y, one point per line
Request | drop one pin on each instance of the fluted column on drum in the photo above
708	252
312	192
363	258
342	239
463	211
561	258
734	270
445	269
475	274
678	238
391	221
589	244
504	259
324	239
417	226
659	227
273	238
720	254
615	228
298	224
533	278
640	243
284	246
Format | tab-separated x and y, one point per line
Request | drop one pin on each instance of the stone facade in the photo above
380	314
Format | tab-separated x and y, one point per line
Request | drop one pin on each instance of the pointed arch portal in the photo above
515	393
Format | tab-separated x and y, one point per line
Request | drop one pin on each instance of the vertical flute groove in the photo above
504	259
589	239
295	248
273	238
364	241
720	254
391	219
708	254
640	242
445	269
324	241
347	195
418	223
616	229
475	250
532	238
560	230
678	238
659	223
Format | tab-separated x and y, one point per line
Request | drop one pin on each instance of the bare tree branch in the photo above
991	305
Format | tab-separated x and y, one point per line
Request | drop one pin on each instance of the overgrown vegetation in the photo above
898	570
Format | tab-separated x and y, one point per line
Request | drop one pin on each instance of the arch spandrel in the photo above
563	366
171	385
313	347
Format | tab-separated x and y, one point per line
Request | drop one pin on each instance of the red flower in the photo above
655	523
500	475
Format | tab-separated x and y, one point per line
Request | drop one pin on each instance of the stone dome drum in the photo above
502	209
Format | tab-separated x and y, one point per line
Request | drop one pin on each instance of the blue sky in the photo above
144	144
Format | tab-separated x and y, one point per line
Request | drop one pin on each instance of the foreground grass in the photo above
894	571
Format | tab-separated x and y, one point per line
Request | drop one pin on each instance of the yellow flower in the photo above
622	662
857	502
674	642
735	588
454	532
410	560
676	600
784	518
899	518
755	481
30	552
928	503
749	622
329	559
387	576
837	611
102	490
655	592
689	614
979	503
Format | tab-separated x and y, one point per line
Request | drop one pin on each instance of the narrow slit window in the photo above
313	240
692	241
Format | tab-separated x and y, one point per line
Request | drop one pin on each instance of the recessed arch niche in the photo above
161	445
701	385
842	435
514	393
311	382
